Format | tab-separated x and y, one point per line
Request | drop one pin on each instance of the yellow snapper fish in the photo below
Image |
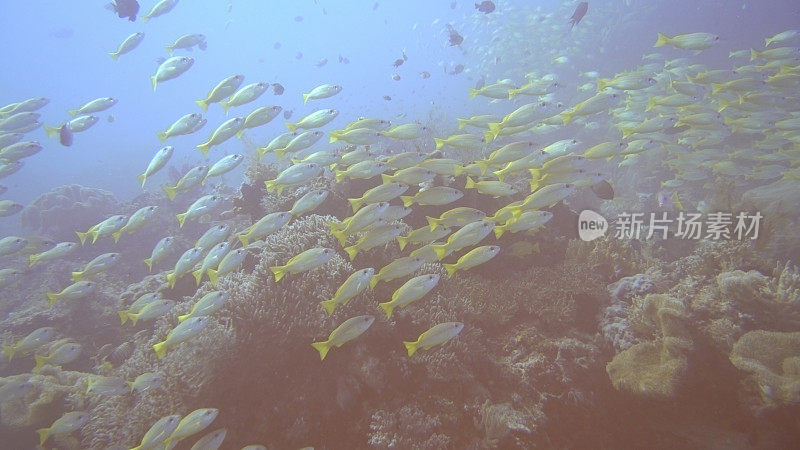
355	136
161	249
12	244
527	221
411	291
194	422
369	122
127	45
405	160
347	331
308	202
322	91
66	424
778	53
412	176
374	237
498	90
398	268
146	382
380	193
423	235
437	335
76	125
523	115
300	142
442	166
211	441
359	220
352	286
314	120
159	432
225	131
60	250
406	131
104	228
171	68
545	197
626	82
107	386
535	88
223	166
211	260
436	195
259	116
97	265
303	262
691	41
149	311
207	305
605	150
469	235
481	121
490	187
279	141
185	264
31	104
64	353
467	141
159	160
186	42
29	343
181	333
361	170
203	205
507	153
245	95
229	263
159	9
456	217
355	156
265	226
96	105
185	125
474	257
323	158
192	178
213	236
294	175
602	101
136	221
781	37
221	91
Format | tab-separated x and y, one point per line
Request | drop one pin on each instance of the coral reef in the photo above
772	360
67	208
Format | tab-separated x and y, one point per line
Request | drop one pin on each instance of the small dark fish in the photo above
485	7
396	77
580	11
125	8
457	70
405	58
299	55
398	62
324	12
298	19
375	6
65	135
481	82
343	59
276	45
425	74
387	98
202	46
277	89
455	38
110	118
603	190
321	63
287	114
453	4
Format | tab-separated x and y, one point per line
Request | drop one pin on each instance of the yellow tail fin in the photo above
374	281
663	39
161	349
77	276
470	183
184	317
499	230
433	222
8	351
213	276
408	200
171	279
411	347
40	361
322	348
305	98
202	104
388	307
116	235
198	275
123	317
181	219
291	126
403	241
142	178
355	203
51	298
440	249
149	263
204	148
44	433
170	191
154	82
462	123
225	106
162	136
51	131
439	143
82	236
279	272
451	269
244	239
352	251
472	93
329	305
114	55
